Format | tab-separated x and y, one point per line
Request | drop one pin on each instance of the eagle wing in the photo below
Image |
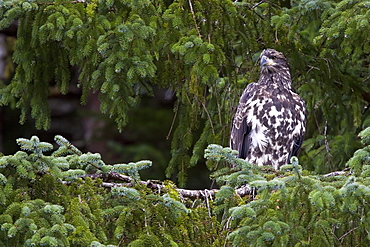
298	138
240	133
256	132
297	143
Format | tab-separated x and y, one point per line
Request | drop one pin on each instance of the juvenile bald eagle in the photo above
270	122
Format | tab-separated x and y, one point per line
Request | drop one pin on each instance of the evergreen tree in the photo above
55	200
205	52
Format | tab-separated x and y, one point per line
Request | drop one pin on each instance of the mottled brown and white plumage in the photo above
270	120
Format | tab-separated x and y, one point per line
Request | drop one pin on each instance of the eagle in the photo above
270	120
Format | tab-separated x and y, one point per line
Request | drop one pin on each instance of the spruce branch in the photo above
114	179
243	177
34	145
123	180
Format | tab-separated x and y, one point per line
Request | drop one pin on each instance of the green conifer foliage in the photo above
204	51
50	200
34	223
200	49
40	206
360	162
297	208
329	64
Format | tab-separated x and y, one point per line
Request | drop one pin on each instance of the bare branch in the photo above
195	21
344	235
157	185
257	4
114	179
336	173
203	194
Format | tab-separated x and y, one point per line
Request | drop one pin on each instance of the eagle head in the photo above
273	61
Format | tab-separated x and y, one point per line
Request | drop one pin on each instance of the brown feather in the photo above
269	124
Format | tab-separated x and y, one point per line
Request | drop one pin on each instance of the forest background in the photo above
160	80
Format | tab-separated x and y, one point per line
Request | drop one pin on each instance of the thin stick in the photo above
195	22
